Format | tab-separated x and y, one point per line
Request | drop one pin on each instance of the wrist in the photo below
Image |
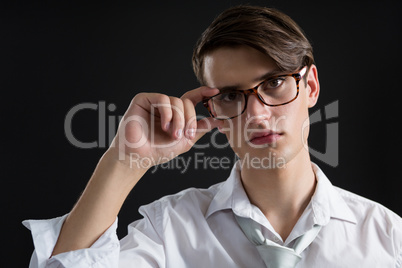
117	173
123	161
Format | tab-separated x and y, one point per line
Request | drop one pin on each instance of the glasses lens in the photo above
227	105
278	90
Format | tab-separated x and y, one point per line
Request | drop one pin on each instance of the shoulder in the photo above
366	209
189	201
374	219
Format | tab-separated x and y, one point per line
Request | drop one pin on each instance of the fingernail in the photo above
191	133
167	125
179	133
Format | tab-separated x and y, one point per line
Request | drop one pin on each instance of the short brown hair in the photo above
265	29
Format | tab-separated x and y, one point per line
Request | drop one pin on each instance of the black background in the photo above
54	57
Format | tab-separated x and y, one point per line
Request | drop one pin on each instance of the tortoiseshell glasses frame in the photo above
254	91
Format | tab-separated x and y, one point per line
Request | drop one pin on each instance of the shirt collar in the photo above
224	197
326	202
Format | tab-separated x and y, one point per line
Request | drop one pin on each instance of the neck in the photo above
283	193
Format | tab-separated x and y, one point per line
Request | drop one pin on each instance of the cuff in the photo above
45	234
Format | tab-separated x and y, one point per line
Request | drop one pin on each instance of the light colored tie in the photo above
273	254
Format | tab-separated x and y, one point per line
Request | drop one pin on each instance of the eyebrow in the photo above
263	77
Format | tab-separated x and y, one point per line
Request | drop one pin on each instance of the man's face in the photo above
261	131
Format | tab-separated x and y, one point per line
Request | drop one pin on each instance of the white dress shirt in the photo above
196	228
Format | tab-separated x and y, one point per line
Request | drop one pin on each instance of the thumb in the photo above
205	125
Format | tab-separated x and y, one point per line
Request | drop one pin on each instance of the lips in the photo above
264	137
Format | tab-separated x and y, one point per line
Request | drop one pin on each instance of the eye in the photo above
229	97
273	83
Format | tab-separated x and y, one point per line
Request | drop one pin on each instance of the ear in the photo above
313	86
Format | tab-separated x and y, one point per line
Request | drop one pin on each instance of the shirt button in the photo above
276	239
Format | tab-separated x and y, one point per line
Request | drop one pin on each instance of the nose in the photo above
256	109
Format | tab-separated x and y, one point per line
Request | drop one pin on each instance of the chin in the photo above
263	158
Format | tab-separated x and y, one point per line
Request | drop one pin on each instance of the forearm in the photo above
112	180
99	204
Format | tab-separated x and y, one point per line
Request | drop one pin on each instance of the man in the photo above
260	80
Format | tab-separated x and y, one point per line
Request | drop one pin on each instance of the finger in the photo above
190	119
155	102
198	94
178	122
205	125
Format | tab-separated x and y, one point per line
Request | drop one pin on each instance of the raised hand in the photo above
157	127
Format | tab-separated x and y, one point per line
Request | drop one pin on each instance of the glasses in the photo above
274	91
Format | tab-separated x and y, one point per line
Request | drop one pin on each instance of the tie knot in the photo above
275	255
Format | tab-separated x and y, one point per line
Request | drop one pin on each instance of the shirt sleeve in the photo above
144	244
103	253
396	223
142	247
